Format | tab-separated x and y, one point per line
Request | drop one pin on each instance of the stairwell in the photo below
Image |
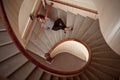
104	65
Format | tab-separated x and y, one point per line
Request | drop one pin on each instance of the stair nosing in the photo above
17	69
94	63
100	72
16	53
3	30
6	43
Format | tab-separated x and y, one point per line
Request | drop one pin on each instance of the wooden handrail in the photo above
75	6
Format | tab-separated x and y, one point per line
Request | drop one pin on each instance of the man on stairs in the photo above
49	24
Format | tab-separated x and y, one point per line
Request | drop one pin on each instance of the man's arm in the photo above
39	31
48	8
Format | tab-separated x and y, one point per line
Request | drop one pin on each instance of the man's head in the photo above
41	18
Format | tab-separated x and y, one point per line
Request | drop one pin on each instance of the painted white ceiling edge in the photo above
109	17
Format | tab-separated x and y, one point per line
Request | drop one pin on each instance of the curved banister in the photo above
72	46
29	54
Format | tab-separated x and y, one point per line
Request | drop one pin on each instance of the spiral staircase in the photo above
105	63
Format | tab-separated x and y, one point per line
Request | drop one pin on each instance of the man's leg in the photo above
58	24
61	23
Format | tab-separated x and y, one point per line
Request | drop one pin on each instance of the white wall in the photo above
109	17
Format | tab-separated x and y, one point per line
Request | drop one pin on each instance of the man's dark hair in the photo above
41	16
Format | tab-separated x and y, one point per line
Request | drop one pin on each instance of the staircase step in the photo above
62	14
4	37
108	54
2	30
83	76
45	76
96	36
83	28
53	14
35	49
56	36
101	75
77	23
9	66
1	24
101	50
62	78
91	30
70	19
42	39
37	26
76	78
70	78
3	78
97	42
103	47
40	44
8	57
68	34
7	51
23	72
106	69
35	74
108	62
6	43
50	38
42	10
46	36
70	23
60	35
64	59
54	78
91	75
